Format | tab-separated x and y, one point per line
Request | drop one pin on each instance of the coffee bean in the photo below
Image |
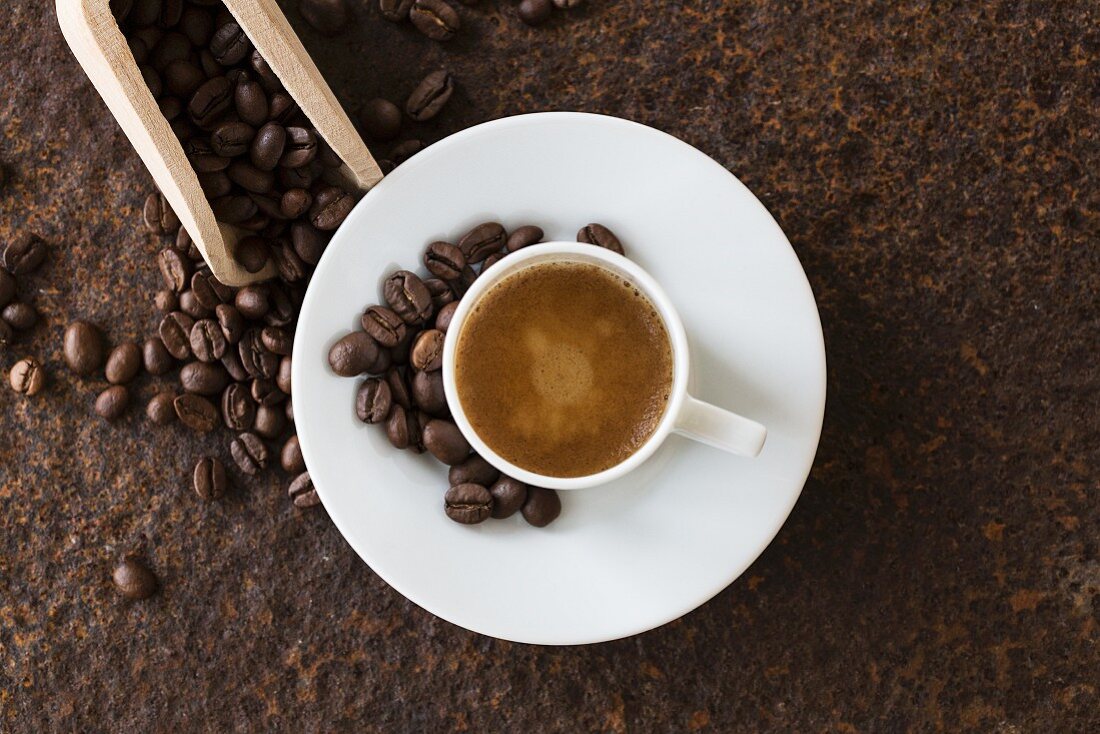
197	24
427	351
405	150
24	254
566	4
482	241
202	378
20	316
284	305
191	306
283	376
290	458
209	65
509	495
196	412
381	119
309	242
170	107
238	408
166	301
444	260
492	260
209	291
407	296
301	147
160	410
152	80
445	441
535	12
435	19
399	388
205	161
384	326
462	283
253	302
208	343
233	209
330	208
282	108
267	146
210	102
353	354
402	428
468	504
277	340
250	453
302	492
232	363
214	184
230	321
428	394
134	580
181	78
264	73
266	392
255	357
399	354
270	421
175	333
155	356
210	480
83	348
123	363
121	8
373	401
170	13
330	17
474	470
290	266
524	236
7	287
542	506
232	138
294	203
441	291
230	45
395	10
175	269
251	103
430	95
112	402
27	376
444	316
158	215
601	236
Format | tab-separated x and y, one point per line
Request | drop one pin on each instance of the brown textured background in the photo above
933	164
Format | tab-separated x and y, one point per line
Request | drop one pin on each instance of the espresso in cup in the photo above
564	368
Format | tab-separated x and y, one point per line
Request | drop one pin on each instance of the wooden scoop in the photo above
99	46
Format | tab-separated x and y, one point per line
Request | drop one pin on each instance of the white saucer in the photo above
648	548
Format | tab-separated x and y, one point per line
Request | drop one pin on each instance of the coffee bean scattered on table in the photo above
27	377
430	95
134	580
436	19
210	480
112	402
302	493
24	254
535	12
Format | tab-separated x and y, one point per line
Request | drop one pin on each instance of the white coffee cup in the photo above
684	414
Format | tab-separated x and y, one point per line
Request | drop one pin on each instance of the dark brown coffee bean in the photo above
427	351
196	412
210	102
435	19
381	119
542	506
308	241
160	410
601	236
441	292
208	291
175	333
282	108
209	65
405	150
257	360
408	297
290	267
270	421
230	322
121	8
266	391
395	10
444	316
373	401
290	458
233	209
263	72
170	107
251	103
267	146
444	260
205	161
191	306
524	236
253	302
19	316
327	16
215	184
303	494
238	408
509	495
353	354
330	208
250	453
283	376
232	363
197	24
445	442
384	326
124	363
399	354
255	181
474	470
7	287
482	241
468	504
24	254
209	479
166	301
232	138
399	388
230	45
27	377
112	402
202	378
462	283
294	203
181	78
402	428
492	260
134	580
175	269
158	215
301	147
152	80
83	348
430	95
284	305
171	48
208	343
535	12
277	340
170	13
155	356
428	394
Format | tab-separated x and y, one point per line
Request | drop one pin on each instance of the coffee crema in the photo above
564	368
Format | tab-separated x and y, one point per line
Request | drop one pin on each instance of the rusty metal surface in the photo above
934	166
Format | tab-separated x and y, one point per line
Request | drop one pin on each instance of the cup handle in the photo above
720	428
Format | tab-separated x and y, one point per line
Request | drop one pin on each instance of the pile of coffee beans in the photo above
400	349
20	258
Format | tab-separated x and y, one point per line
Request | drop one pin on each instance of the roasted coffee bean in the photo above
191	306
492	260
524	236
427	351
290	458
395	10
152	80
277	340
566	4
294	203
303	494
270	421
232	138
291	178
601	236
399	388
160	410
408	297
283	376
330	208
462	283
509	495
196	412
156	357
482	241
233	209
170	107
283	308
445	442
444	316
208	343
209	65
264	74
253	301
230	321
430	95
535	12
290	266
250	453
139	50
428	394
301	147
83	348
435	19
252	179
230	45
257	360
267	146
384	326
475	470
182	79
381	119
27	376
402	428
123	363
282	108
175	333
238	408
209	479
232	363
209	292
134	580
309	242
327	16
166	301
24	254
158	215
197	24
205	161
468	504
175	269
112	402
251	103
171	48
541	507
441	292
210	102
405	150
353	354
265	391
214	184
7	288
399	354
373	401
444	260
170	13
20	316
203	378
121	8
